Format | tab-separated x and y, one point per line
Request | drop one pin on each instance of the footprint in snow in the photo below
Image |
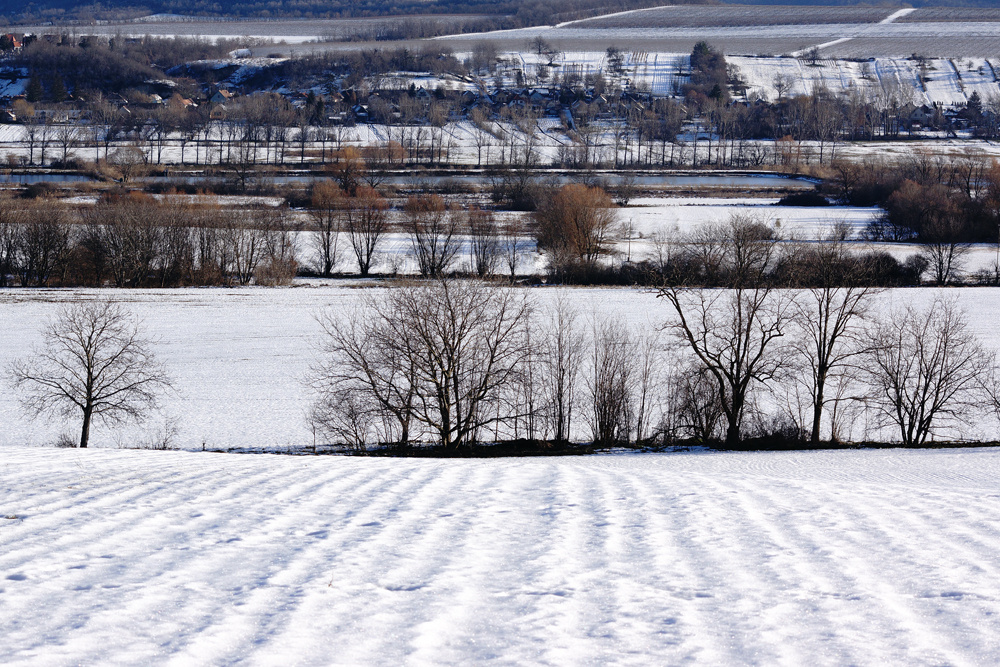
17	576
398	588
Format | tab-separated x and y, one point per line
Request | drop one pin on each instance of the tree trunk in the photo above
817	417
85	431
733	433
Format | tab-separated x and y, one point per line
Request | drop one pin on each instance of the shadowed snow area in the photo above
862	557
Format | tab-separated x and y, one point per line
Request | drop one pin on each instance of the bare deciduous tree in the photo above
442	356
693	409
246	236
434	234
612	374
831	312
96	360
577	221
562	357
326	215
734	333
513	245
484	242
366	392
927	372
43	243
366	223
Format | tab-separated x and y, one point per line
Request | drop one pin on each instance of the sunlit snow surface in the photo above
829	558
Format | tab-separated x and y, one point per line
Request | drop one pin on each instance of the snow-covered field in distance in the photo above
289	31
239	357
822	558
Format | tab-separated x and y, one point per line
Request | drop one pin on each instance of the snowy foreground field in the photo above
826	558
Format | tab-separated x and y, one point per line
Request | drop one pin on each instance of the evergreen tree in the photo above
57	91
34	91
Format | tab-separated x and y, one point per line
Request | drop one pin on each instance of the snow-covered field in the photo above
825	558
761	30
288	31
652	215
948	81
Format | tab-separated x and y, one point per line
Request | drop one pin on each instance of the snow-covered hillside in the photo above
944	81
826	558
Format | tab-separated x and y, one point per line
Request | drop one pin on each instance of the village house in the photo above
221	96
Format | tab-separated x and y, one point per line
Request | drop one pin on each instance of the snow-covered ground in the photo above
648	222
824	558
651	215
762	30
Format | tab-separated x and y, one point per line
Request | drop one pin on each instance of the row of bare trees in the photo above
135	241
461	362
831	357
440	236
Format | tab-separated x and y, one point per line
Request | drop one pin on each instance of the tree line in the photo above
502	15
130	239
711	120
456	363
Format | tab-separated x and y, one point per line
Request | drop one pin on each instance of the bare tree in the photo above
43	243
366	222
927	371
943	247
127	233
433	233
326	215
513	245
782	83
246	236
832	312
442	355
96	360
734	333
645	388
484	241
562	358
12	217
366	392
693	409
130	161
611	376
67	138
577	221
279	264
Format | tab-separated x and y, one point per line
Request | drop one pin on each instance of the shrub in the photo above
804	199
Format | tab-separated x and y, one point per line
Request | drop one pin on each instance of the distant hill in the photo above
514	13
988	4
506	13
